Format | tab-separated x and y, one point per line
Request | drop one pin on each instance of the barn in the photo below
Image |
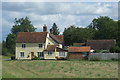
101	44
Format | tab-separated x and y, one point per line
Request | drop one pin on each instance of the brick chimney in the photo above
51	31
44	28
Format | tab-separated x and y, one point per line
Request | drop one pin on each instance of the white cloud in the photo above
64	14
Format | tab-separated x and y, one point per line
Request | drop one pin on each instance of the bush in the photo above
115	49
95	58
114	59
60	58
97	51
105	51
101	51
4	51
37	58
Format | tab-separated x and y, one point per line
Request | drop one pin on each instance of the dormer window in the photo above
23	45
40	45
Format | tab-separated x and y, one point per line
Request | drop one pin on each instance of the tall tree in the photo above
105	28
118	30
75	34
21	25
55	29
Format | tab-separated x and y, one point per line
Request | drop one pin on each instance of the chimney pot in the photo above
51	31
44	28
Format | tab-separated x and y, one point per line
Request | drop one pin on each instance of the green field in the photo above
59	69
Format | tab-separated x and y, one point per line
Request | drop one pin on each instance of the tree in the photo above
105	27
10	43
118	30
55	29
98	23
75	34
115	49
21	25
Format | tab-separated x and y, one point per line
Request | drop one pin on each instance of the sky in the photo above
63	14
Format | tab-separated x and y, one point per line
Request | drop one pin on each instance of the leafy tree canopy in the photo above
75	34
22	25
105	27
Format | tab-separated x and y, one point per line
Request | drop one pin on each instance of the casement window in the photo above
49	53
61	53
40	54
40	45
22	54
23	45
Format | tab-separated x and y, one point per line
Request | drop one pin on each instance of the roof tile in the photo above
79	49
31	37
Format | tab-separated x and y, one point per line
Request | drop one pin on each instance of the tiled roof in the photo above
57	38
37	37
53	47
31	37
100	44
79	49
60	37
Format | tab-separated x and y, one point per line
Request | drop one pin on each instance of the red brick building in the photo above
78	52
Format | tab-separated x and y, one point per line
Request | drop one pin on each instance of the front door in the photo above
32	55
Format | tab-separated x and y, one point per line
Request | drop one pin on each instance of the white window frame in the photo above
23	45
49	53
62	54
40	45
40	54
22	54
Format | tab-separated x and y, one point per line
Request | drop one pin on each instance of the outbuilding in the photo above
78	52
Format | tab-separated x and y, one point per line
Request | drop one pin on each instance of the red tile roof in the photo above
37	37
31	37
53	47
60	37
57	38
79	49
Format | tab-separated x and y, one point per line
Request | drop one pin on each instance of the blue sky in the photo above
63	14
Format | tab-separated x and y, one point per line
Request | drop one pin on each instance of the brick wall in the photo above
75	56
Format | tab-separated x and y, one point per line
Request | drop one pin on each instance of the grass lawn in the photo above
59	69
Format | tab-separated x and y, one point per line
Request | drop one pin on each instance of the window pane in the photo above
40	54
23	45
49	53
61	53
22	54
40	45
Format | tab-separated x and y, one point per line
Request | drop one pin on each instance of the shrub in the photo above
4	51
115	49
97	51
37	58
105	51
101	51
114	59
95	58
60	58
